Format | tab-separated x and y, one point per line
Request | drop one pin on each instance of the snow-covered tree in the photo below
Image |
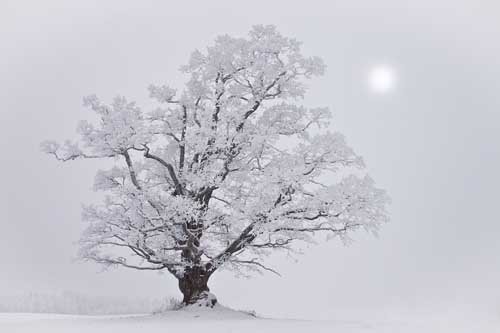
223	172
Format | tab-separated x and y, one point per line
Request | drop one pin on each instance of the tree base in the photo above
203	299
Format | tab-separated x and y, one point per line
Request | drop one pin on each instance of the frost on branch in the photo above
162	94
225	172
65	152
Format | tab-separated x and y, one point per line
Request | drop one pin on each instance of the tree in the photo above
224	172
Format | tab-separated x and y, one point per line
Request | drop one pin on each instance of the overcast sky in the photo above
432	142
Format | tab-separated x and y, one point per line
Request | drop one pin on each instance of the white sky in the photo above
433	142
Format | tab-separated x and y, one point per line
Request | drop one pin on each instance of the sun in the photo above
382	79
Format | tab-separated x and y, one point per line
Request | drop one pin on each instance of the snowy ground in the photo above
223	320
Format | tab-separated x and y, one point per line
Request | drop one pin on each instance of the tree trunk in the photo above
194	287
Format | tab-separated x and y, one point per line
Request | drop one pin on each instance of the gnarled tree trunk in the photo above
194	287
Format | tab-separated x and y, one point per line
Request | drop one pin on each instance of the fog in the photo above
432	141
